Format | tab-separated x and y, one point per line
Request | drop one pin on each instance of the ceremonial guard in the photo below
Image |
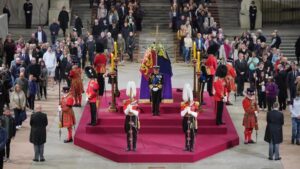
230	81
220	93
252	15
189	113
67	117
27	7
76	84
132	123
92	93
100	68
202	81
155	85
211	66
250	116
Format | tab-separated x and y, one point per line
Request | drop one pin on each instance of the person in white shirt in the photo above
188	42
50	62
295	113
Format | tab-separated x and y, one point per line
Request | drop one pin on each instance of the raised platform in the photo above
160	139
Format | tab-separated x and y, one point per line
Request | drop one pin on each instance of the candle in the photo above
194	49
112	63
198	61
116	49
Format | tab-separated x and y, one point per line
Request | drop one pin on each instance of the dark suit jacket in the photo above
38	123
291	80
275	121
240	66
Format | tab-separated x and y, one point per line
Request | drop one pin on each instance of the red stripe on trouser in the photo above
69	133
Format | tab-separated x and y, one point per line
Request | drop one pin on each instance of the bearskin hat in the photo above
99	47
90	72
221	71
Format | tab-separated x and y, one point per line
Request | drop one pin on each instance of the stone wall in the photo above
39	13
244	14
3	26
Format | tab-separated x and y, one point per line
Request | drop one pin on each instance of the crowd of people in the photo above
250	57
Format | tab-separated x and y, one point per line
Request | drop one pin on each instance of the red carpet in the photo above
160	139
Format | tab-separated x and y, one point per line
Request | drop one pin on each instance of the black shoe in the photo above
186	149
134	149
42	160
128	149
191	150
270	158
91	124
228	104
222	123
279	158
298	142
245	142
35	160
68	141
251	142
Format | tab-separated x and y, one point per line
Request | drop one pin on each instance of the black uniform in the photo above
131	125
252	15
7	12
27	7
189	128
202	81
156	82
261	88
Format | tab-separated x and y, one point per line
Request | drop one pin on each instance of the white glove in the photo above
263	88
189	110
155	89
225	99
59	108
256	113
86	99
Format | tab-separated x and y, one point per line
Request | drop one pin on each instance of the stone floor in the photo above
67	156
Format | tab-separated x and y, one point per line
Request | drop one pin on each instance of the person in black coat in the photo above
78	25
252	15
27	7
54	29
63	19
41	35
10	126
297	50
38	123
273	134
7	12
291	80
282	86
3	140
240	68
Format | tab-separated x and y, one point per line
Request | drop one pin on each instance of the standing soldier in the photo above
230	81
27	7
100	67
155	85
189	113
76	84
132	124
63	19
202	81
250	116
67	117
92	93
252	15
221	93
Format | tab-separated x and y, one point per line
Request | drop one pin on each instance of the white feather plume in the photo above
131	86
187	93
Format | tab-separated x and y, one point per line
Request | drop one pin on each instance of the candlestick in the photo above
112	63
116	49
194	50
198	61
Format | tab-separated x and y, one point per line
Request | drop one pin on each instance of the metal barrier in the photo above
276	12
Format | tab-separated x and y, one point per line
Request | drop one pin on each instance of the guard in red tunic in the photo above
211	66
131	110
76	84
250	116
67	119
100	67
220	93
230	81
92	93
189	113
